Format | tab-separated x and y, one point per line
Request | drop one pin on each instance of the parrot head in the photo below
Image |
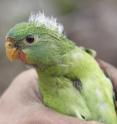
38	41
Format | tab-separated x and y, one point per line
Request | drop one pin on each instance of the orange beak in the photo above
11	52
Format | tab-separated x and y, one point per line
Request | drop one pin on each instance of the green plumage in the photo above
70	80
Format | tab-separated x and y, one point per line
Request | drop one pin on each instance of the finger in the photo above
45	115
23	90
111	72
106	66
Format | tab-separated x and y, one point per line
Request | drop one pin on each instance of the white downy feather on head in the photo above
49	22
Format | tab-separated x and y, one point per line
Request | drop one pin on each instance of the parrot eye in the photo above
30	39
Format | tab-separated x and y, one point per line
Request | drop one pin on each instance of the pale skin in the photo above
21	103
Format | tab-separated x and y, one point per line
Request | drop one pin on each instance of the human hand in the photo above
21	103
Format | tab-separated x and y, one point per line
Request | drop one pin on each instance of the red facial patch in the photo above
22	56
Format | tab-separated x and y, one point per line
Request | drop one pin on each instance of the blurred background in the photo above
90	23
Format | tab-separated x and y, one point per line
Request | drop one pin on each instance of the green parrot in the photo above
69	78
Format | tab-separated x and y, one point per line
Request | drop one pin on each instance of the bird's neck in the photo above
46	80
51	70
